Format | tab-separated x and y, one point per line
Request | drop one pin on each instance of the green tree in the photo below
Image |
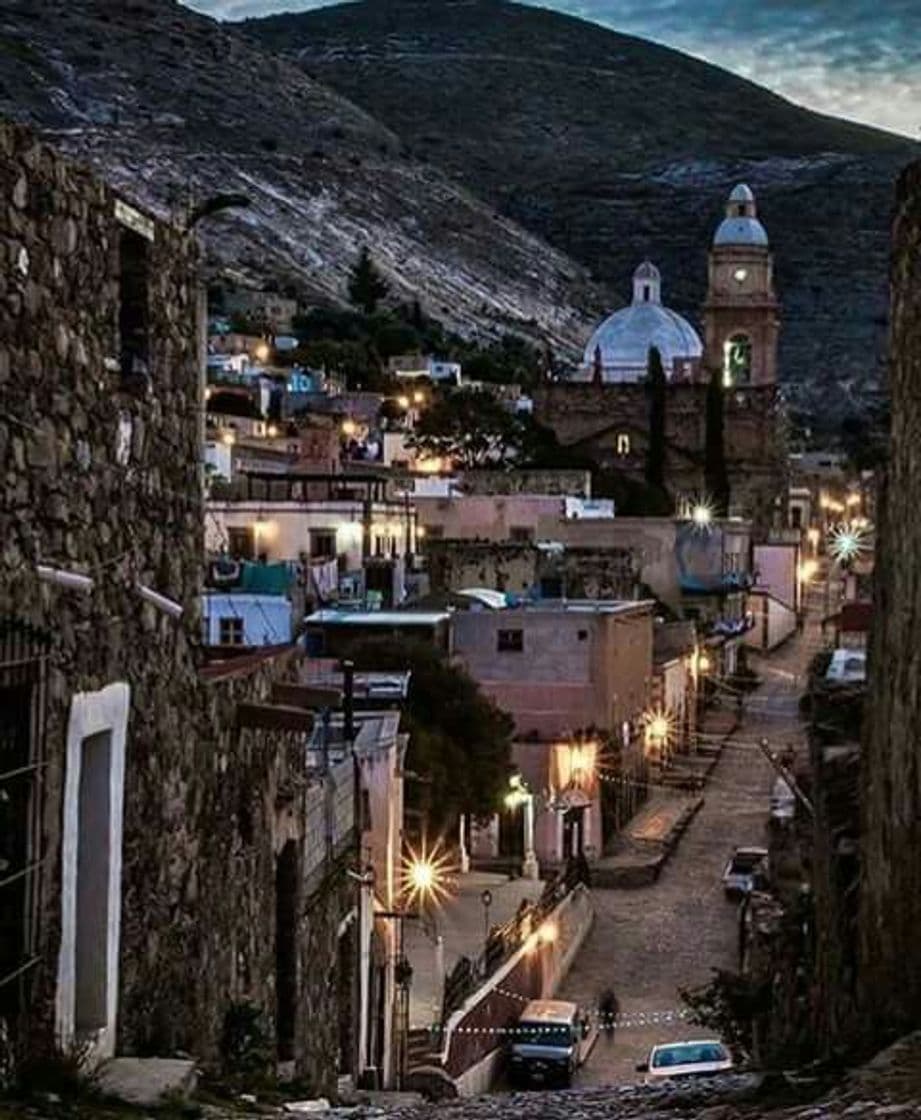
715	472
459	741
366	285
472	429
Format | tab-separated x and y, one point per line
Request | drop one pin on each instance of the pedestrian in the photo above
608	1009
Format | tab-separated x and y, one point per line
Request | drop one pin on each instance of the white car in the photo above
699	1058
847	666
745	868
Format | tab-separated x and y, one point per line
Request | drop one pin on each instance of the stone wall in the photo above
592	418
890	917
565	484
100	474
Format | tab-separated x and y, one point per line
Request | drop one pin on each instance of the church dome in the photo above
622	343
741	225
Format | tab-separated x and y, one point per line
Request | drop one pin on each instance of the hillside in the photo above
614	148
172	108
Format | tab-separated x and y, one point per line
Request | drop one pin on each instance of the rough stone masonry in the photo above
101	378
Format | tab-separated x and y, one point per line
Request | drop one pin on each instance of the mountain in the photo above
173	108
613	148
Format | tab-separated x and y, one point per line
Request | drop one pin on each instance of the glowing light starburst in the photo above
660	726
701	512
847	542
426	877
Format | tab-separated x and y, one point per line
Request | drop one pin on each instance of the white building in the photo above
297	517
233	618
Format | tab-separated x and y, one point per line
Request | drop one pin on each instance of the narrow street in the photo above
650	942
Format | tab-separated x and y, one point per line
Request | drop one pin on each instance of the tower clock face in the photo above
740	275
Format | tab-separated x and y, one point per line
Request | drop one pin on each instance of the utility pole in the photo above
784	773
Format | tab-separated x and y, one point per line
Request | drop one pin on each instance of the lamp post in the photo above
519	796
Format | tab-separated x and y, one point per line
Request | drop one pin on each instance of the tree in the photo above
366	285
656	388
471	429
715	473
459	741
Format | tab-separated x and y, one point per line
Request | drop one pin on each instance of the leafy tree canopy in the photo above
473	429
459	741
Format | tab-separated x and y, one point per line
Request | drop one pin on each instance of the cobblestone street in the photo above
648	943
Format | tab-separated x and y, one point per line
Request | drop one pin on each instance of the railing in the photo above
504	940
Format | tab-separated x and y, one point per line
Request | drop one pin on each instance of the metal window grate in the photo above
23	670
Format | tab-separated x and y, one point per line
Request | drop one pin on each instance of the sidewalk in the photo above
650	837
461	924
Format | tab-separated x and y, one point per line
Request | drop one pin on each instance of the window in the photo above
645	293
796	517
230	631
322	544
582	635
521	533
133	307
737	360
241	543
623	443
510	641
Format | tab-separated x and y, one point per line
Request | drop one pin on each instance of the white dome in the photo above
623	340
742	192
740	231
741	225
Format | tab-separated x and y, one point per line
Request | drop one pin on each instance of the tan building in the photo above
576	679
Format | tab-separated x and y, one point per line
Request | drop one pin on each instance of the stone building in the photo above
890	907
603	411
159	877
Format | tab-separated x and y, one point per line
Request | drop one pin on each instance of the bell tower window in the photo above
645	293
623	444
737	361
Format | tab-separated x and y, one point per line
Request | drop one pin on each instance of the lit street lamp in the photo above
519	796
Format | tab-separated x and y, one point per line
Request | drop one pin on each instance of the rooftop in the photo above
331	617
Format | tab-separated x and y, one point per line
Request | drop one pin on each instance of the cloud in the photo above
851	58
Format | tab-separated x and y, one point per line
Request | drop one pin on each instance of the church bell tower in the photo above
741	310
741	324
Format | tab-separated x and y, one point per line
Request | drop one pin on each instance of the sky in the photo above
859	59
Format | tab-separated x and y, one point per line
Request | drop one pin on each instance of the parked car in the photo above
746	870
847	666
547	1045
672	1060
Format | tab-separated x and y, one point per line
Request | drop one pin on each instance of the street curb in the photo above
633	876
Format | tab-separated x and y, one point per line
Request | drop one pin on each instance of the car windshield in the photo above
544	1034
688	1053
745	861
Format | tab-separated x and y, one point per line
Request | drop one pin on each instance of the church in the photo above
602	410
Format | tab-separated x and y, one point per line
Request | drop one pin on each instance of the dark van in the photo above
547	1043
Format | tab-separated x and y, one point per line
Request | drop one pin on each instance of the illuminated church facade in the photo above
602	410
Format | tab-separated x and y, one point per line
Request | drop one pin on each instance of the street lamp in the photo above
520	797
660	726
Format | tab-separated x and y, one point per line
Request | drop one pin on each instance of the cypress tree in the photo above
655	390
366	285
715	472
